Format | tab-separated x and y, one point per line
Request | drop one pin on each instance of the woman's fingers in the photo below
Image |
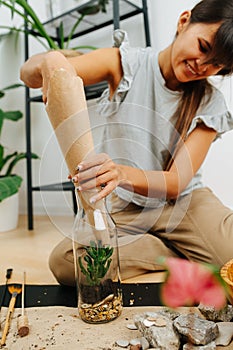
100	181
93	161
93	168
98	171
104	192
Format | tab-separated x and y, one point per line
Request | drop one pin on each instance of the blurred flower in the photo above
189	283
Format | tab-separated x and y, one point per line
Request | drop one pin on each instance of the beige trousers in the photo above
197	227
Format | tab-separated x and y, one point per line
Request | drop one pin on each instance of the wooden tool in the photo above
14	290
22	322
8	276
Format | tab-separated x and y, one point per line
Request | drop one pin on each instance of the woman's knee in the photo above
61	263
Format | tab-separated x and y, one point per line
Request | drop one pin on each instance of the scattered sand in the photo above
60	328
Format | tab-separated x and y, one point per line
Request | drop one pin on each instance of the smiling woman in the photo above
190	62
158	119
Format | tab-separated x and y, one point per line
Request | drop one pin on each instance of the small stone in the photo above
84	306
106	300
160	322
122	343
145	344
135	347
148	323
131	326
151	318
135	341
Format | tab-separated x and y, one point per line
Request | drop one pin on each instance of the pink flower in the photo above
189	283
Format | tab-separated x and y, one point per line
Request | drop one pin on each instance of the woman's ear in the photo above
183	20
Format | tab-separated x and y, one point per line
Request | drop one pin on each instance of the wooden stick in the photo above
22	322
8	276
8	318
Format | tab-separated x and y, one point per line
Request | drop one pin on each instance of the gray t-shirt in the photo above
138	124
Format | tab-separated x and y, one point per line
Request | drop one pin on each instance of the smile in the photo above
190	69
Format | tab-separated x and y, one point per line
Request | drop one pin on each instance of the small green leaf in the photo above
5	159
2	93
12	115
97	260
9	185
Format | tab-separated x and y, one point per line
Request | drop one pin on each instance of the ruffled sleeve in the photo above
130	61
214	115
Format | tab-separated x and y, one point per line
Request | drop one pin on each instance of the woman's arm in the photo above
93	67
158	184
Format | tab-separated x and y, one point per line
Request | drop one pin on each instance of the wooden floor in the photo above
29	250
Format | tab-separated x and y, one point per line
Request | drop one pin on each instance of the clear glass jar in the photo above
97	262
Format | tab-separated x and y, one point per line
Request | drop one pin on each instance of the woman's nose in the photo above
202	66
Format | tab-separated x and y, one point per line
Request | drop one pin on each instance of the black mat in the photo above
134	294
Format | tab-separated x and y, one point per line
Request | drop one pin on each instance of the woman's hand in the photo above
98	170
30	72
53	60
38	69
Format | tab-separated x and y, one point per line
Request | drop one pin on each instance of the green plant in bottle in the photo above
98	260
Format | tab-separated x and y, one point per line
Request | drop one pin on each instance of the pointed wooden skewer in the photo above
23	326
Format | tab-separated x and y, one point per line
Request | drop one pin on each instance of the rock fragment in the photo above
210	346
225	333
122	343
195	329
212	314
162	338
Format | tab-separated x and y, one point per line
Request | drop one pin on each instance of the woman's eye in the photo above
203	48
218	66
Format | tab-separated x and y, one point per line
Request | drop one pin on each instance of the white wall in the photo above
51	168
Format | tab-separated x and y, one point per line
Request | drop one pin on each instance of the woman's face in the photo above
190	50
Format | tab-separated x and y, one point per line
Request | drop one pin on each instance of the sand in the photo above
60	328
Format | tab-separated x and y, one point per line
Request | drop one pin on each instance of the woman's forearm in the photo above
155	184
101	170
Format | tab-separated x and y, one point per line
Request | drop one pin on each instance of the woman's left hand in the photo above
97	171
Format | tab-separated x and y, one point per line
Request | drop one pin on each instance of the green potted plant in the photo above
37	29
9	181
94	266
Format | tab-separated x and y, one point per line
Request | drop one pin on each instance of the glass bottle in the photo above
96	262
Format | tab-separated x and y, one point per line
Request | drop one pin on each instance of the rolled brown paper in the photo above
67	111
68	114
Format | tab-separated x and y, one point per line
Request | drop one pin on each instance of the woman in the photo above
161	117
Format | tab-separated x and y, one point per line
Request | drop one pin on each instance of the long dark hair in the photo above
206	11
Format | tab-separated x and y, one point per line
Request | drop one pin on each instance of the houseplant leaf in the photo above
10	115
9	185
16	159
36	28
4	160
9	87
31	18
